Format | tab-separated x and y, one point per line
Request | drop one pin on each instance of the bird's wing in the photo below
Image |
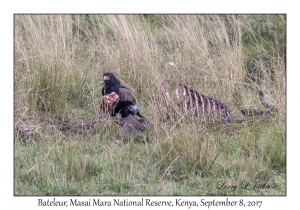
128	100
126	96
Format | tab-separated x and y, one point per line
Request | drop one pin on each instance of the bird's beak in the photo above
106	78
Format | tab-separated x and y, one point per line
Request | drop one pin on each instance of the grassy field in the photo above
58	65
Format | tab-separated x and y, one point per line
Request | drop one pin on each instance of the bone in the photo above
196	102
208	106
202	104
185	101
177	94
165	94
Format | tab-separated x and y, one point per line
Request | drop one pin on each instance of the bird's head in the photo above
109	78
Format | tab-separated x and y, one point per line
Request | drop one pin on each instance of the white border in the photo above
153	6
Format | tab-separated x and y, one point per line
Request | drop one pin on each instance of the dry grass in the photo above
59	62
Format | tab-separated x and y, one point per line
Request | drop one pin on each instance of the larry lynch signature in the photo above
256	185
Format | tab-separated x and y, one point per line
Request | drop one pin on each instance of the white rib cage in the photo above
192	101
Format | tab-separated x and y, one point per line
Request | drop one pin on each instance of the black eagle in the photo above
127	103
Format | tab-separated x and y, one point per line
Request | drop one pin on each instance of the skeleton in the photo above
191	102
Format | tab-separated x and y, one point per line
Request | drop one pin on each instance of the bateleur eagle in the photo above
127	102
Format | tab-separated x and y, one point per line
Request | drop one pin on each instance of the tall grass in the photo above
59	62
